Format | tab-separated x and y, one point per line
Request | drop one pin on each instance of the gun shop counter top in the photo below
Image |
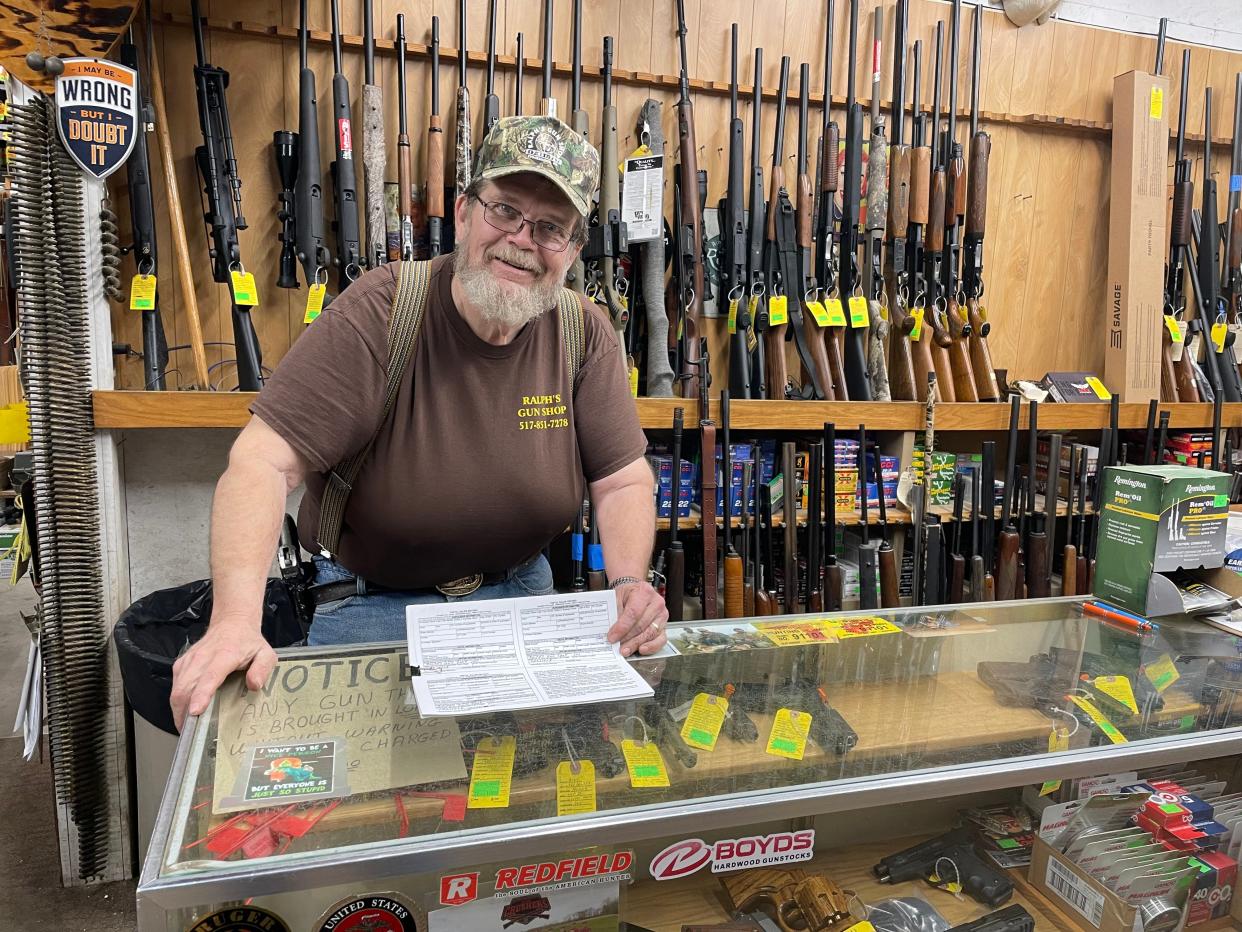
329	773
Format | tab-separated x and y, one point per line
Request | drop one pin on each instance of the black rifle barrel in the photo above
898	121
348	237
462	54
491	102
368	43
975	44
575	81
521	75
850	77
547	55
936	155
1160	36
804	85
954	29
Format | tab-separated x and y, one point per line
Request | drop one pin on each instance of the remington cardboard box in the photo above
1157	519
1137	235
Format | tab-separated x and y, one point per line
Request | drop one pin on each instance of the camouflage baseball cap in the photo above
546	146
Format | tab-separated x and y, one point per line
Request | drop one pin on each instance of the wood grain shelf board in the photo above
136	409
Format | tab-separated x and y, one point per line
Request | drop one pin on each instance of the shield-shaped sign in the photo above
97	107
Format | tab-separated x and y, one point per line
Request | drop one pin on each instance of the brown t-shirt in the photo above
481	462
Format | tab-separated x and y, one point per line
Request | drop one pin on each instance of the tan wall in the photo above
1046	248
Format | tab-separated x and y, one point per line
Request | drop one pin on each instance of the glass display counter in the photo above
327	787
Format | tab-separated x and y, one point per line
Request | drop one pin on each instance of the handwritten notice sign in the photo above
359	703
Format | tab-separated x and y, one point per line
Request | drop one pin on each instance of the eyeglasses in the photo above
508	219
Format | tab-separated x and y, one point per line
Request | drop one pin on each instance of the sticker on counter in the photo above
712	639
375	912
797	633
845	628
591	907
278	774
240	919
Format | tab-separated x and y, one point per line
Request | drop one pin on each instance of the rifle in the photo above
901	376
649	128
810	338
972	250
312	250
576	278
825	221
765	572
777	322
789	510
217	163
933	253
856	382
285	150
1069	556
548	102
707	477
757	308
877	211
955	562
1231	222
890	596
521	75
955	210
405	240
834	581
814	554
1177	367
734	599
920	192
981	582
344	180
868	562
608	239
1051	498
435	152
675	554
373	147
690	234
142	221
748	565
732	211
491	103
464	153
578	538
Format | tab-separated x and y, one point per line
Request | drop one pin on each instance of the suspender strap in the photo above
404	322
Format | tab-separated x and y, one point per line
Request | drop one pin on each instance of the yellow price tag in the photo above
733	315
836	312
645	764
789	732
1175	328
702	726
797	633
314	302
860	314
245	292
863	926
819	312
15	423
575	791
1097	386
1057	741
1219	330
778	310
633	378
492	773
916	332
1157	103
1118	688
846	628
1162	674
1100	720
142	293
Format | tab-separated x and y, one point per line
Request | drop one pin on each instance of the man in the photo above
480	463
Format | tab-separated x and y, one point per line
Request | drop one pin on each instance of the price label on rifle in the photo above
789	731
1157	103
1058	740
142	293
1101	721
645	764
1162	674
836	312
575	787
860	316
733	302
702	726
314	302
1219	330
245	292
492	773
1118	688
778	310
1175	328
819	312
916	332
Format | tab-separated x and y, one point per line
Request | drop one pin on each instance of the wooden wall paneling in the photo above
1199	60
1032	69
1095	296
1099	103
1073	49
1009	257
524	17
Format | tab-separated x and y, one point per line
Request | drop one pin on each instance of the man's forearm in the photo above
246	516
626	529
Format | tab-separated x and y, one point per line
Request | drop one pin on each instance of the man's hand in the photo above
225	647
641	619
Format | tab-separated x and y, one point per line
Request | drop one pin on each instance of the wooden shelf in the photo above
132	409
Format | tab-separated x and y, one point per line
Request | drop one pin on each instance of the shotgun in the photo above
405	205
464	154
1177	366
312	250
344	172
435	152
1069	555
690	236
374	148
920	199
814	552
757	307
733	594
809	338
1009	541
890	596
780	213
675	554
748	565
491	103
789	509
933	252
732	213
855	355
902	380
547	103
576	277
607	240
868	558
829	182
877	216
834	580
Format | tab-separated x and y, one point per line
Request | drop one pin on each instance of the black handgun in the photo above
1010	919
667	734
829	729
941	856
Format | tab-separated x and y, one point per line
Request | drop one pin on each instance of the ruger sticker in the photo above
97	112
683	858
377	912
241	919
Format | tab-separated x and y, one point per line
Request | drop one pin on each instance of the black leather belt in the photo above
344	588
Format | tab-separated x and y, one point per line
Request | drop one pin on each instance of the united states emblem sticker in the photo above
374	912
97	113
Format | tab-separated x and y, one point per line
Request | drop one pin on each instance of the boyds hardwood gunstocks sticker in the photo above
97	113
376	912
240	919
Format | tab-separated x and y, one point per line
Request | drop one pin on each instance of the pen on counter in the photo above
1108	613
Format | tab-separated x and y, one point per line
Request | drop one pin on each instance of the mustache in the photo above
523	260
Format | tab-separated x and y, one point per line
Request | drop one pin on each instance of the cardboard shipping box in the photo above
1137	236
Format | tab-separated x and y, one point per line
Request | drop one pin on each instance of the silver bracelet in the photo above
623	581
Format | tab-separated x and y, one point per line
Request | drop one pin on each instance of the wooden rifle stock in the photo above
959	354
734	590
1007	565
774	339
940	337
818	341
1069	571
1037	570
920	184
976	218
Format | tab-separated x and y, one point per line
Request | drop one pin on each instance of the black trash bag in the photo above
153	632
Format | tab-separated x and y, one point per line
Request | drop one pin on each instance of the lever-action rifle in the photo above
217	163
344	172
825	222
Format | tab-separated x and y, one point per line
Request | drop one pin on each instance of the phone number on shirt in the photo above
548	424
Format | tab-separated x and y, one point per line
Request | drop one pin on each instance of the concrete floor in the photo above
31	896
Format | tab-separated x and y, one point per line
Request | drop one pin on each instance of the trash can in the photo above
153	632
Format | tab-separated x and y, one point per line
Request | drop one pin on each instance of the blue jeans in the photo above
380	616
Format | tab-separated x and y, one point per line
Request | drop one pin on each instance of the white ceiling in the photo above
1204	22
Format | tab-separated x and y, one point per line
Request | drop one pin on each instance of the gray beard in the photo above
499	302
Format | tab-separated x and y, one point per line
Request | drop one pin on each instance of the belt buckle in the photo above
461	587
